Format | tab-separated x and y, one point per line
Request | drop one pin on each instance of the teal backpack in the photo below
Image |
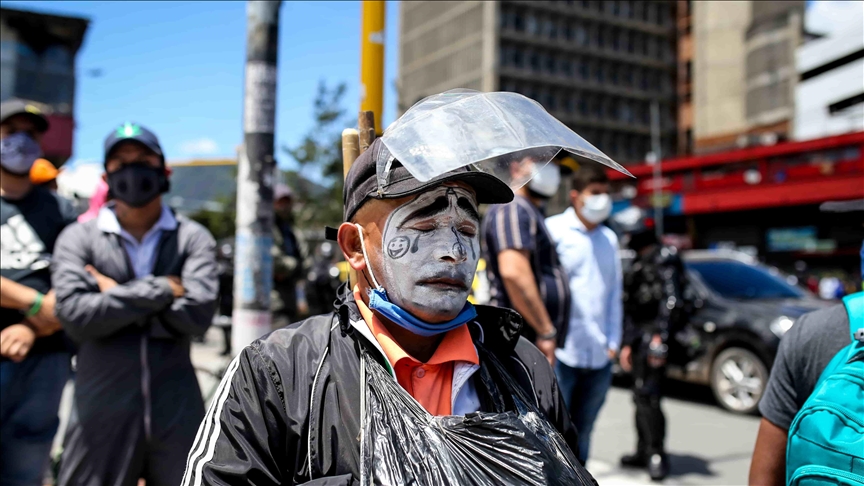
826	439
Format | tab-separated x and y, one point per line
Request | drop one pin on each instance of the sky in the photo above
177	68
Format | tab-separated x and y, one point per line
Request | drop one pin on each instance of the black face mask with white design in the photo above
137	184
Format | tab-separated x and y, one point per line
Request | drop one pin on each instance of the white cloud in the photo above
199	146
829	16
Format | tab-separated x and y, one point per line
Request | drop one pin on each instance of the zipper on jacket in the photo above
824	472
143	348
145	385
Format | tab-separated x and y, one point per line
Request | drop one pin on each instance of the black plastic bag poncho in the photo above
402	444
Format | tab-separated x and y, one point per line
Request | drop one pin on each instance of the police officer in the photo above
654	311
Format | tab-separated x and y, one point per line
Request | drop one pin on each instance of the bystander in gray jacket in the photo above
137	402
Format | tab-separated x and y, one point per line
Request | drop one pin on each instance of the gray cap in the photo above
15	106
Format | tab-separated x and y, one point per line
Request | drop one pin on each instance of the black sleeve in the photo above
672	299
242	438
779	404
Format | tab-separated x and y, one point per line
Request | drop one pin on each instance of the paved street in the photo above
707	445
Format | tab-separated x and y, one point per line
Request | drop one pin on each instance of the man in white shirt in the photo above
589	254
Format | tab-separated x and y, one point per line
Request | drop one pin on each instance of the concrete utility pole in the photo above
656	155
372	59
253	263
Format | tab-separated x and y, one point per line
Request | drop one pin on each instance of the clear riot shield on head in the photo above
504	134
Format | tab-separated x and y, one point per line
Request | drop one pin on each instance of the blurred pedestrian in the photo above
99	198
289	254
522	266
34	358
43	173
589	255
322	281
133	285
655	309
805	359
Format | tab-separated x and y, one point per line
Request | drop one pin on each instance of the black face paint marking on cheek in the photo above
398	247
458	247
473	251
414	247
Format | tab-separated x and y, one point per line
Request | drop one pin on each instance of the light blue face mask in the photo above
379	302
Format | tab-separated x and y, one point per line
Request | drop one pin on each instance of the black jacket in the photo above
282	415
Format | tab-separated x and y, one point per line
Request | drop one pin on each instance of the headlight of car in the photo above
780	325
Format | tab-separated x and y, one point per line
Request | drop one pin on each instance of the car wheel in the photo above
738	379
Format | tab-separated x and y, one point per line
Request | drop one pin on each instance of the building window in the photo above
615	74
628	75
616	39
534	62
584	70
581	35
532	26
627	9
519	21
549	64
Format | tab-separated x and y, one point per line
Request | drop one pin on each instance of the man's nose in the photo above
452	250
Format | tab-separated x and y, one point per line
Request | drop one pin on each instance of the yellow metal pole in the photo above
372	60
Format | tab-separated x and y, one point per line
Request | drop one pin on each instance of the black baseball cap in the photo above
361	184
34	111
136	132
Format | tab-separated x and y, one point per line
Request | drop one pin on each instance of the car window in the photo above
736	280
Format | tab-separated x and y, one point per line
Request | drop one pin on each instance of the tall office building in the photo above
744	76
596	65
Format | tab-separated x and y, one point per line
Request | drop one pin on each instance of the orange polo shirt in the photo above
430	383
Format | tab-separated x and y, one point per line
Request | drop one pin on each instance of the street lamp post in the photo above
654	158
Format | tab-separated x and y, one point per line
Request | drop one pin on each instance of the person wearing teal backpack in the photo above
812	430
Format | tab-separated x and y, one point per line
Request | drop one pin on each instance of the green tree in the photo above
317	182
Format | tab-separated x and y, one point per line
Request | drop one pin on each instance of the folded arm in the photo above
192	313
87	313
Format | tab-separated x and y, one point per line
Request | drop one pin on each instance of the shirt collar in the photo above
456	345
107	221
574	220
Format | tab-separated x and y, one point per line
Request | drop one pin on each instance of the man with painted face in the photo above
289	408
589	254
133	286
34	359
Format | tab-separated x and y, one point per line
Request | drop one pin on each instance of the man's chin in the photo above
443	309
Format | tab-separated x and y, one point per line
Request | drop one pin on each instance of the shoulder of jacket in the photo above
192	228
303	340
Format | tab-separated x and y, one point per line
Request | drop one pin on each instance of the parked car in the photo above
741	309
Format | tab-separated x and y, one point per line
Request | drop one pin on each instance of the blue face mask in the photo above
378	302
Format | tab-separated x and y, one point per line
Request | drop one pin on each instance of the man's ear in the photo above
105	176
348	239
168	171
574	196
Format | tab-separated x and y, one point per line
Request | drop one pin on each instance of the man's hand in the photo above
625	359
656	360
176	286
16	341
547	347
45	323
612	354
105	283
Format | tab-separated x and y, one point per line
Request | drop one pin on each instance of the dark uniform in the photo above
653	306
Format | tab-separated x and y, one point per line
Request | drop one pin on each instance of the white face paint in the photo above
431	245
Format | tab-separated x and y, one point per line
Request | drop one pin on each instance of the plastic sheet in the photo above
501	133
402	444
